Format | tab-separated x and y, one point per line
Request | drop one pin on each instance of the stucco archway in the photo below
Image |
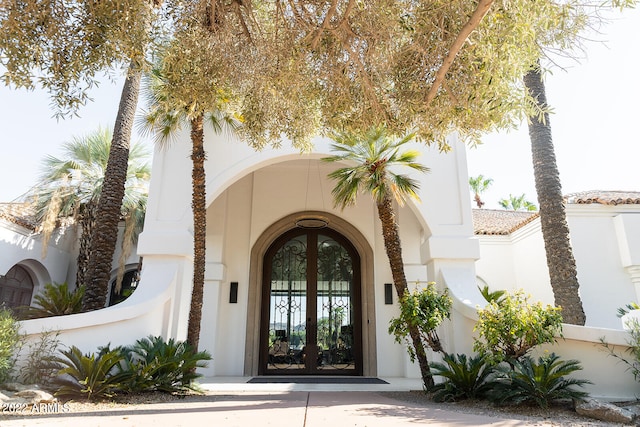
368	296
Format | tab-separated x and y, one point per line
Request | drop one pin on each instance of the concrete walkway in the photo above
282	405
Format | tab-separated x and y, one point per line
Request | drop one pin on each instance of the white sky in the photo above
595	103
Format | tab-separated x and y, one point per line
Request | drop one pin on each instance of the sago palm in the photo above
71	185
464	377
540	383
373	159
55	300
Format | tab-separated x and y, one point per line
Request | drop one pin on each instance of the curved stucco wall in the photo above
144	313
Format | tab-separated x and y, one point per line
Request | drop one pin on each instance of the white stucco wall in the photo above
248	191
519	261
19	245
605	286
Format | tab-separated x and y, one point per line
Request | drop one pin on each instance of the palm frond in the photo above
373	156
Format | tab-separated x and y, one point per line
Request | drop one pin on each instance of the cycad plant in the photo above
89	376
55	300
155	364
539	383
464	378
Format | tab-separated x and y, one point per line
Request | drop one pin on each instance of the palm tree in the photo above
479	185
517	203
105	236
555	230
165	116
374	156
70	187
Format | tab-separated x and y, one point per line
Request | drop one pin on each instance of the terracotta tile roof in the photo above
18	213
604	197
503	222
500	222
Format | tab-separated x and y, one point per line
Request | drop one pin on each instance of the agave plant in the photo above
90	376
464	377
539	383
55	300
155	364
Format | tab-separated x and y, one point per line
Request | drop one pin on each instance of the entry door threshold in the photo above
314	379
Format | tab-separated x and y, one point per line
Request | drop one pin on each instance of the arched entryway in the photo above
311	305
347	240
16	288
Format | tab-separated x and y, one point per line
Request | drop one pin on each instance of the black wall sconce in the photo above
233	293
388	293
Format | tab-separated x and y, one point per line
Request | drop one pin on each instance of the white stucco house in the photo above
296	286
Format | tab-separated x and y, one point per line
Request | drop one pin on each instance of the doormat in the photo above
316	380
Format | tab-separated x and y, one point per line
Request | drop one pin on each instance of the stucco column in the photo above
213	279
634	272
167	239
627	227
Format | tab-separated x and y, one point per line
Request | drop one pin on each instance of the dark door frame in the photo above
254	297
311	295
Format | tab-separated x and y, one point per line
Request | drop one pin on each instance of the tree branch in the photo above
325	23
472	24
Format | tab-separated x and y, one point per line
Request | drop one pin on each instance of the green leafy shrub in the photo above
539	383
55	300
426	309
464	378
37	367
10	342
509	328
89	376
155	364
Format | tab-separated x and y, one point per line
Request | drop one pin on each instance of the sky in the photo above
594	126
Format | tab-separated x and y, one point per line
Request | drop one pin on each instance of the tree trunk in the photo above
392	245
105	235
87	222
199	207
555	230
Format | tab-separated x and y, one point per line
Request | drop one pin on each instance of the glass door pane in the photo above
334	306
288	306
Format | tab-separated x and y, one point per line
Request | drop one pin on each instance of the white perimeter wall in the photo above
598	239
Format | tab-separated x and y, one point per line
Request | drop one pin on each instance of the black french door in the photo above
311	305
